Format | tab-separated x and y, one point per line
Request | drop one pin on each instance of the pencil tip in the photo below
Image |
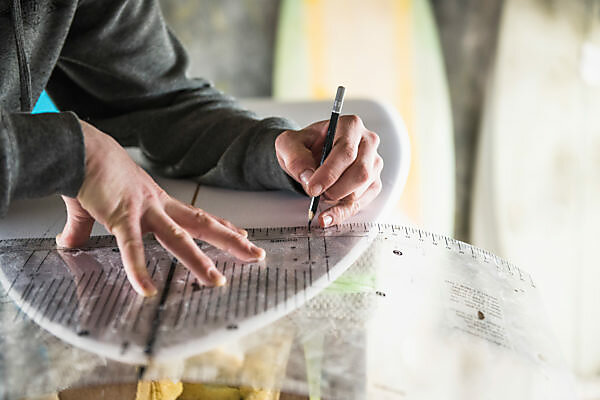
311	215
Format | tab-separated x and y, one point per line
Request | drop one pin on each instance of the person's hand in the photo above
124	198
350	175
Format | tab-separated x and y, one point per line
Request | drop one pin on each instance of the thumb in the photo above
79	225
296	158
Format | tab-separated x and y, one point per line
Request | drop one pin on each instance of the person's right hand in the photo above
124	198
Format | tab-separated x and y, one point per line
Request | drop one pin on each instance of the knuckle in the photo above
204	262
160	194
345	211
121	217
231	236
372	138
282	138
346	150
350	208
353	120
278	140
229	225
148	193
246	246
296	164
362	173
132	244
234	240
209	223
379	162
352	197
110	226
176	232
200	217
331	195
378	185
224	222
329	178
78	216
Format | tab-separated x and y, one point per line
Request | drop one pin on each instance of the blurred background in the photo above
502	102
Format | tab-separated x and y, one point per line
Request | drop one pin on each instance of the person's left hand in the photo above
350	175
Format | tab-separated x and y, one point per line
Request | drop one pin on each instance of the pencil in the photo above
335	113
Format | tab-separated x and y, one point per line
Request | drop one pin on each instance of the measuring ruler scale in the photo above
83	296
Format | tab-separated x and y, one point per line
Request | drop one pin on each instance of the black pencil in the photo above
335	113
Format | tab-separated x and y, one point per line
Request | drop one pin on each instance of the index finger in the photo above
343	154
179	243
131	246
208	228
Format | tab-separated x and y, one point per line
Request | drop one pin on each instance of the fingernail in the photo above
216	277
259	253
244	232
149	288
327	220
305	176
316	190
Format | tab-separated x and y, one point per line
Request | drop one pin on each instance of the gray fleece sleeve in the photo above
122	70
39	155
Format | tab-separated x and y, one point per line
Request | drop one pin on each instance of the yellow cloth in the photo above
161	390
198	391
258	394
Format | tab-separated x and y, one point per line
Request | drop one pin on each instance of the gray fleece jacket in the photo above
115	64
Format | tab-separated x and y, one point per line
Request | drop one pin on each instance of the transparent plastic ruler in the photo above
83	296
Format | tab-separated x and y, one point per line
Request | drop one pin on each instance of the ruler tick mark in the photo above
19	273
276	287
178	313
37	292
267	289
239	292
117	297
285	287
248	290
230	291
53	296
60	302
219	295
44	259
309	260
106	299
326	259
257	291
96	299
159	310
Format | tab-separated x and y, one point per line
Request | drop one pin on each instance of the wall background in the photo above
229	41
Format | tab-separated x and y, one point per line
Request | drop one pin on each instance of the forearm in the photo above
204	135
137	91
39	155
197	133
